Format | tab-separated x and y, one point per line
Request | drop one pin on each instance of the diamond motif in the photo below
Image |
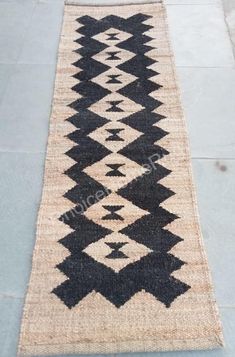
125	106
115	137
129	212
102	171
131	251
113	56
112	36
114	79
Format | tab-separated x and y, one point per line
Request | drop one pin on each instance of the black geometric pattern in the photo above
152	271
116	252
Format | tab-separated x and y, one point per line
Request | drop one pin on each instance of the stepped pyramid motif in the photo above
119	244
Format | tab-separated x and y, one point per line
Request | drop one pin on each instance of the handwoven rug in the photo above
118	264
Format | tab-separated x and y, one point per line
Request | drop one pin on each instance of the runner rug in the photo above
118	264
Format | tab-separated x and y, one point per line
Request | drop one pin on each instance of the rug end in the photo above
88	3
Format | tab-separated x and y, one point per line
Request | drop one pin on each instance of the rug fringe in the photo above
78	3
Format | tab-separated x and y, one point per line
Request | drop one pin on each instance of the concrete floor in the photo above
29	34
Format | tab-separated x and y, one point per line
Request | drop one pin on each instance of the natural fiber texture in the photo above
118	264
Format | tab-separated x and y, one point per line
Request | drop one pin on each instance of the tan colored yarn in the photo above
143	323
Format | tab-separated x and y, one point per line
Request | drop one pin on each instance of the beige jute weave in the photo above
119	264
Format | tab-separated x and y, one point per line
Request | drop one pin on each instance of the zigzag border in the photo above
152	272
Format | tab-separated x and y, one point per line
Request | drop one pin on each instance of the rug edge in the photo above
214	304
124	347
78	3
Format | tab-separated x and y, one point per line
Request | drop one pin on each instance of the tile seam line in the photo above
21	152
87	4
195	4
6	296
27	63
208	67
227	306
54	63
212	158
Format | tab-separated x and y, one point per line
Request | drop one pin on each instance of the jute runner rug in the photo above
118	263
